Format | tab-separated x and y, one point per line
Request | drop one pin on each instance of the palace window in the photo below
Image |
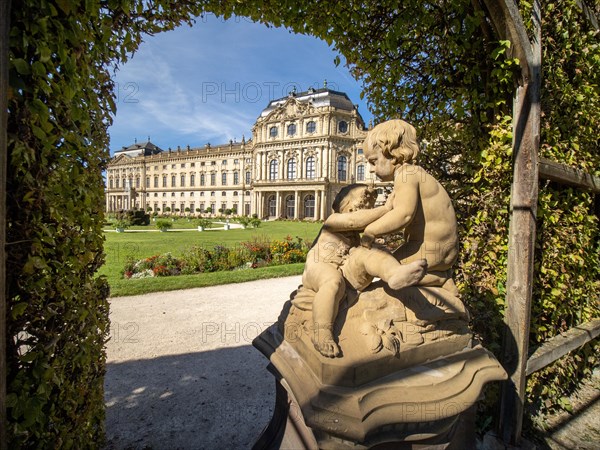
310	167
273	170
117	183
192	179
311	127
212	194
147	182
202	179
235	193
201	193
213	179
183	165
110	183
342	168
248	177
272	203
273	132
291	169
137	182
173	180
224	179
224	162
291	129
223	194
309	206
164	181
155	182
290	206
360	172
236	177
342	126
182	180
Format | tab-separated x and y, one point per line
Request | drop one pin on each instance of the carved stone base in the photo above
288	430
407	377
418	406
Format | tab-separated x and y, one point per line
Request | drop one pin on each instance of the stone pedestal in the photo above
406	380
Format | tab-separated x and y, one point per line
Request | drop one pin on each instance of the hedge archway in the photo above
440	66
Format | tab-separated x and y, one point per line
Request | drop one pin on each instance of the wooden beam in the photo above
562	344
4	29
522	228
507	21
564	174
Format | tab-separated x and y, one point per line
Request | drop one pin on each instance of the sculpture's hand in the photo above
367	240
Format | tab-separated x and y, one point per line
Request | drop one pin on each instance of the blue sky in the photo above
210	82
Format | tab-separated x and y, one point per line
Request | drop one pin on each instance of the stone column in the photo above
323	201
317	216
277	204
296	205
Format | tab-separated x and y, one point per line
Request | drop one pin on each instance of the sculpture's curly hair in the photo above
367	197
397	140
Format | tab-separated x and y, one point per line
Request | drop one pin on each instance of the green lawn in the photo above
119	246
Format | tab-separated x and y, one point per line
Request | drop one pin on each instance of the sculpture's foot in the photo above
324	343
408	275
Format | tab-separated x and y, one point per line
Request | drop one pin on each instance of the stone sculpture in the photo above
367	363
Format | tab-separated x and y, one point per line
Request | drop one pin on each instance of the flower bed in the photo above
258	252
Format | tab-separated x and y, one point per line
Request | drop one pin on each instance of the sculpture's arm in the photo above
355	220
406	201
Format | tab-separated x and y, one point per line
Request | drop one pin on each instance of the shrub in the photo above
164	225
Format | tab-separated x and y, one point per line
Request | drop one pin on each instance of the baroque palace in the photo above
304	149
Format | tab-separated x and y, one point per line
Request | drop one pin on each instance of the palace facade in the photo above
304	149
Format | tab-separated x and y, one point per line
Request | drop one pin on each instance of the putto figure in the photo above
337	255
420	205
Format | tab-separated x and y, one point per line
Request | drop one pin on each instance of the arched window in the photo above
173	180
182	180
155	181
360	172
202	179
224	179
137	182
310	167
117	183
213	178
147	182
291	129
248	177
273	132
290	206
192	179
342	126
309	206
273	170
236	177
311	126
110	183
291	169
164	181
272	204
342	168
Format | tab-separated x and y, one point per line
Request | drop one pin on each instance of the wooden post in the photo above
4	27
521	244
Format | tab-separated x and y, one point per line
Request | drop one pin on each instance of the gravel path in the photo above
181	369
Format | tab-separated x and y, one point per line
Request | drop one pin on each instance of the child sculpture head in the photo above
391	144
354	197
